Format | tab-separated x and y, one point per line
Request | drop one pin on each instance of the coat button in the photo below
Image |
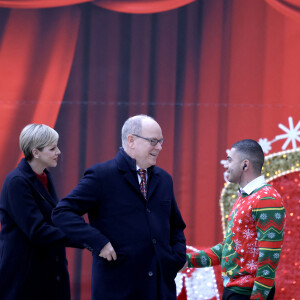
154	241
57	258
150	274
148	210
58	278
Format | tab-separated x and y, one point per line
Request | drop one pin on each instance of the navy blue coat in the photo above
146	235
33	263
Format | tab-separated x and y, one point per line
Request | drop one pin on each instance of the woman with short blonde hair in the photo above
36	136
33	263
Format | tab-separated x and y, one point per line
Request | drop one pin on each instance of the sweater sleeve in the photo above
206	258
269	215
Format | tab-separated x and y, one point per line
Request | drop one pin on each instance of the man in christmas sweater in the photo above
250	253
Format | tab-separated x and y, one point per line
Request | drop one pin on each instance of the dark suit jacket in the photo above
146	235
33	263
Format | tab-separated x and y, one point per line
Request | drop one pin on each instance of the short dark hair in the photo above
252	151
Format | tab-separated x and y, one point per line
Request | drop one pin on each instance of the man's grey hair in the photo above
132	125
36	136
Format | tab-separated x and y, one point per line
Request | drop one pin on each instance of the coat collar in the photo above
27	171
125	162
127	165
153	180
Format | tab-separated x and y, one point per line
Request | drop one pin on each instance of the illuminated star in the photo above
265	145
292	134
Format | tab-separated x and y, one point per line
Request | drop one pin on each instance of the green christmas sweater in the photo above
250	253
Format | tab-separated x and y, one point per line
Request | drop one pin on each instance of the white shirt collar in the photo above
137	167
254	184
139	177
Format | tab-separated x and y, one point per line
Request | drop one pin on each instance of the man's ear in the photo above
245	164
130	141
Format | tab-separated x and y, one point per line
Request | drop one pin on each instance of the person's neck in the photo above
128	152
248	179
36	167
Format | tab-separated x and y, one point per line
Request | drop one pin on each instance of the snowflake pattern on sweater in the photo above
251	251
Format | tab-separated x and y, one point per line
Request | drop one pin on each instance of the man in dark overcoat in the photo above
135	229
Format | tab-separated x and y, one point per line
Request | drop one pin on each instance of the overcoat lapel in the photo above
132	180
127	166
153	181
37	184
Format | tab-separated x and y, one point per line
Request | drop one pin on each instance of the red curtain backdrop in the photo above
127	6
29	4
290	8
36	55
211	72
142	6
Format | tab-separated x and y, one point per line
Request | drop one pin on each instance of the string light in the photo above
200	283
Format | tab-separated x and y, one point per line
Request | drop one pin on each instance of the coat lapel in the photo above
38	185
127	166
132	180
153	181
50	196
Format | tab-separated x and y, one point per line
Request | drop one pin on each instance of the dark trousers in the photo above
229	295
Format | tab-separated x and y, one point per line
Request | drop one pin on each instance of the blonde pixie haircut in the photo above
36	136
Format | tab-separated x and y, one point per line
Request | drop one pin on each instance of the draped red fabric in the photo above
37	49
289	8
142	6
28	4
130	6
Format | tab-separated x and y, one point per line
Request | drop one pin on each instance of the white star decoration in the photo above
292	134
265	144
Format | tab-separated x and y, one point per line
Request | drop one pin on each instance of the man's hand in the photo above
108	252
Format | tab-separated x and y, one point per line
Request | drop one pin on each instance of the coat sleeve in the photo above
178	242
23	209
68	214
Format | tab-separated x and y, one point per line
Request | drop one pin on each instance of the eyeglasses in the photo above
153	142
